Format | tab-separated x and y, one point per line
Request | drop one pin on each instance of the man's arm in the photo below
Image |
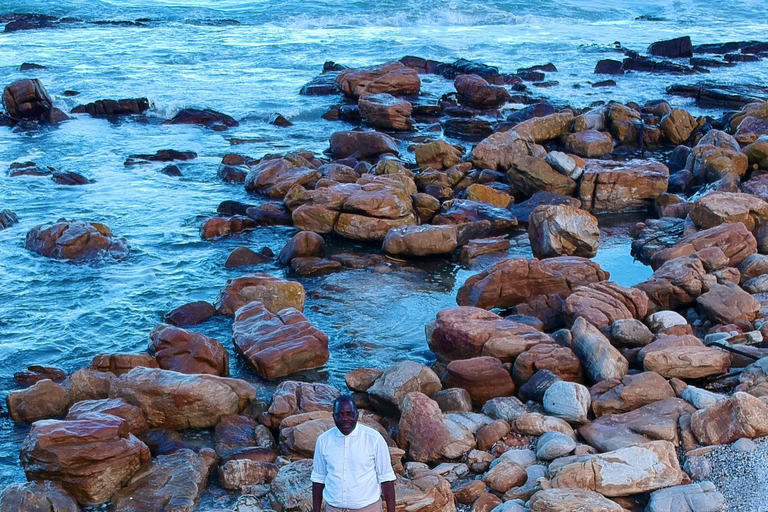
317	497
388	488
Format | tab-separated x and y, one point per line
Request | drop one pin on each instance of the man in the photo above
351	467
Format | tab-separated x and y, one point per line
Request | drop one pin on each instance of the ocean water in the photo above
249	59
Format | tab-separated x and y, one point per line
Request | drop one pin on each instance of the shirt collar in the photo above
355	431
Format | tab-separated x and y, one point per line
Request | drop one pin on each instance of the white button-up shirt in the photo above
352	467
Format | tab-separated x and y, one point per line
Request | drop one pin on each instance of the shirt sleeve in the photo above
383	461
318	464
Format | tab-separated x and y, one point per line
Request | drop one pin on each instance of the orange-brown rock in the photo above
91	409
735	240
729	207
491	434
532	174
475	91
676	283
603	303
293	397
572	500
278	344
488	194
273	292
483	377
561	361
385	111
466	332
562	230
188	352
43	400
217	227
91	459
740	415
437	155
76	240
630	393
302	244
516	280
424	490
499	151
391	77
122	363
274	177
728	304
687	362
367	144
589	143
608	186
39	497
192	313
422	240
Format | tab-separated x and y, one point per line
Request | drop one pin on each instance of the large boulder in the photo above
87	409
483	377
561	230
622	472
728	303
391	77
171	482
422	240
209	118
427	433
188	352
91	458
600	359
28	100
274	177
516	280
676	283
652	422
278	344
630	393
291	490
500	150
601	304
292	397
176	400
437	155
729	207
540	129
402	378
610	187
385	111
423	490
740	415
466	332
686	362
567	400
698	497
715	158
572	500
560	361
589	143
76	240
532	174
363	145
461	211
43	400
735	240
237	437
476	92
274	293
678	126
37	497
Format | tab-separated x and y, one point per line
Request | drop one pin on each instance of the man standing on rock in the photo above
352	466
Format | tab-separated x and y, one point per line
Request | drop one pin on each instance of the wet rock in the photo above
91	459
291	490
29	169
37	497
88	384
622	472
108	108
735	240
427	433
740	415
475	91
499	151
241	437
322	85
630	393
192	313
560	361
270	214
278	344
391	77
652	422
119	364
44	399
480	247
303	244
385	111
188	352
608	186
560	230
469	129
600	359
293	397
207	117
7	219
400	379
37	373
437	155
483	377
750	129
177	401
523	210
466	332
170	482
275	177
69	178
423	240
77	240
516	280
162	155
567	400
609	67
569	500
311	266
487	194
678	126
530	174
589	143
687	498
728	304
28	100
461	211
217	227
91	409
635	62
243	256
672	48
727	207
273	292
757	153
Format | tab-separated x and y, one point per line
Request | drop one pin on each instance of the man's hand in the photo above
317	497
388	488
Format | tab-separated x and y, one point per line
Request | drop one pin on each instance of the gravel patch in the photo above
742	477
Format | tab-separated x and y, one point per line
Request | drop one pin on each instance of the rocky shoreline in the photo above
554	388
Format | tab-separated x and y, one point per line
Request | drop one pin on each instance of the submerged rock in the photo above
208	118
76	240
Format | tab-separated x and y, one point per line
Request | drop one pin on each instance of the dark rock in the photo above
28	66
7	218
547	68
36	373
467	129
208	118
229	208
69	93
75	240
321	85
190	314
709	63
28	100
361	144
16	22
69	178
162	155
636	62
720	95
523	210
29	169
270	214
532	76
739	57
279	120
37	497
672	48
243	256
609	67
605	83
477	92
171	170
106	108
537	385
541	109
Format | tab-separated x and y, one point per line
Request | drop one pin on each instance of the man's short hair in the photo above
344	398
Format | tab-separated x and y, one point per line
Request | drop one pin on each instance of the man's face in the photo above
345	417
